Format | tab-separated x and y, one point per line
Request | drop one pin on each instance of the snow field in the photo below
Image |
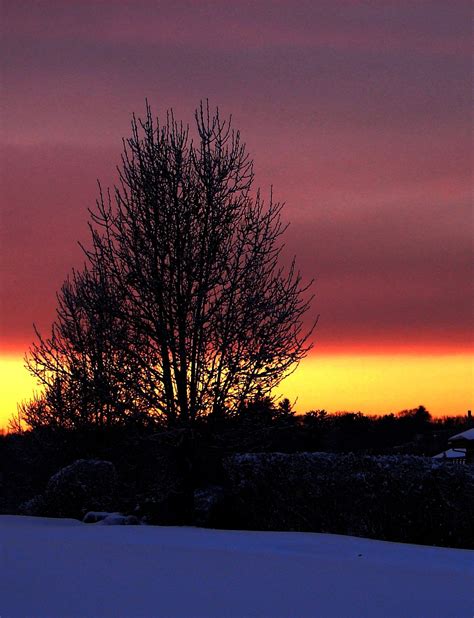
64	568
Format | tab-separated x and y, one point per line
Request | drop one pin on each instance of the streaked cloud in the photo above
357	112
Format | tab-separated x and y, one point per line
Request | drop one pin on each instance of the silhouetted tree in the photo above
84	365
183	308
16	422
418	418
285	409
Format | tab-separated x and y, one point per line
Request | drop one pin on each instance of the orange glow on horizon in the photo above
16	385
370	383
381	384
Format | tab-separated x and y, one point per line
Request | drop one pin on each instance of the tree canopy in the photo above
183	307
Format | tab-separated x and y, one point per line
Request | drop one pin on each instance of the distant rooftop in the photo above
464	435
451	454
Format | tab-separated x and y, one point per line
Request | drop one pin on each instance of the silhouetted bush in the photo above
85	485
397	498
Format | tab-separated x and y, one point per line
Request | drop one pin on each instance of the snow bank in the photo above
58	568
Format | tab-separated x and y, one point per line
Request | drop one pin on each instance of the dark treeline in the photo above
30	457
265	425
345	473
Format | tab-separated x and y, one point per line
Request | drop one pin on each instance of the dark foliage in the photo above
397	498
179	477
85	485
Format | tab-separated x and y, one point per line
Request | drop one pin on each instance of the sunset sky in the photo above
357	112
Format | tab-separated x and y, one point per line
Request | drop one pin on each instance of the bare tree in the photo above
184	308
83	366
16	422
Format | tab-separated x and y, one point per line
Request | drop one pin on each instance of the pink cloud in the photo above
357	112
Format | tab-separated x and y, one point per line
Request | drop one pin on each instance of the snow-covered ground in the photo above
53	567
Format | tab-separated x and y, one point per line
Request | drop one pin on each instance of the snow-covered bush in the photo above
35	506
208	504
400	498
86	484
